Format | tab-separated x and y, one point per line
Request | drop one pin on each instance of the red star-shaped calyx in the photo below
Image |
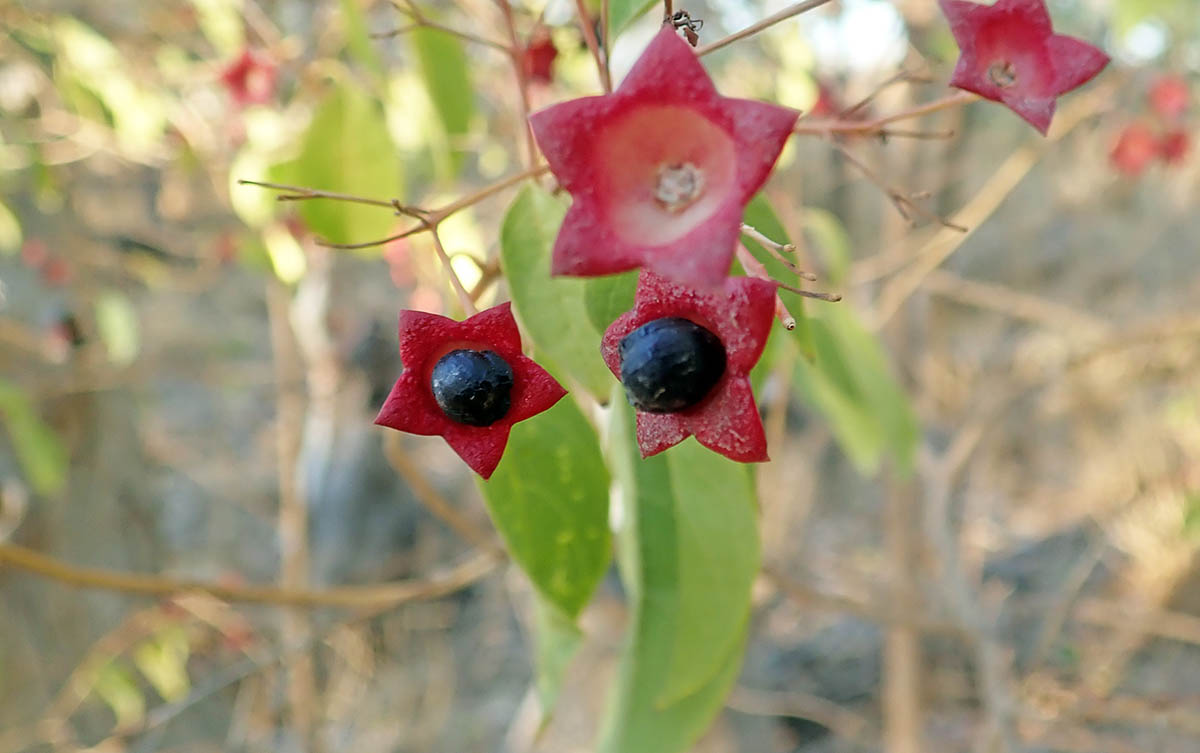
411	406
250	79
740	314
660	170
1010	54
538	57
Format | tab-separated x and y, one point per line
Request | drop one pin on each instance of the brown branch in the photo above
868	127
518	65
842	722
420	21
898	198
766	23
381	595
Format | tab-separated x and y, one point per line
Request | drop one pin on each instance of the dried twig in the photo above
766	23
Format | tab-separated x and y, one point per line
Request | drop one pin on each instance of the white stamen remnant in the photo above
678	186
1003	74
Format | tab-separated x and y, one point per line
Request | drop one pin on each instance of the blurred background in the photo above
188	380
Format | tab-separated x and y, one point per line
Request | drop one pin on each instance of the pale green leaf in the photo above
549	500
346	149
10	231
830	237
608	297
163	661
115	686
556	639
117	324
38	448
621	13
358	40
552	309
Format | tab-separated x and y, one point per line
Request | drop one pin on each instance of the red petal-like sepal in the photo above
411	407
740	313
1010	54
610	153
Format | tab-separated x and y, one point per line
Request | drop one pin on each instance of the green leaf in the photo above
831	238
1191	515
116	686
116	321
40	452
687	516
346	149
556	639
357	38
10	231
552	309
760	216
850	382
608	297
444	69
621	13
549	500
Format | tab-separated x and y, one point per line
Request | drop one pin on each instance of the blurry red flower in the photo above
1011	55
250	79
1174	145
426	341
538	57
660	170
740	314
1169	96
1136	147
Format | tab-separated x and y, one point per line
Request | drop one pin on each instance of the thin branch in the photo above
899	199
300	193
518	65
589	36
867	127
775	249
420	21
769	21
464	298
381	595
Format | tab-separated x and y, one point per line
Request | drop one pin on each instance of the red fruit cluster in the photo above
1165	137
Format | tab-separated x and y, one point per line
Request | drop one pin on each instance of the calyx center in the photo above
1002	73
678	186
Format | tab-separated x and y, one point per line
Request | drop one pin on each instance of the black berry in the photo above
473	387
670	364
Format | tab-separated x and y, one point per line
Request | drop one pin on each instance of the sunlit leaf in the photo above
287	258
115	686
163	661
551	309
443	65
549	500
10	231
40	452
832	241
221	22
686	515
346	149
117	324
621	13
556	639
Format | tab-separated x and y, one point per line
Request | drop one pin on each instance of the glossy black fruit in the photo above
670	364
473	387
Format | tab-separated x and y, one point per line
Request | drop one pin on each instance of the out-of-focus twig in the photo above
766	23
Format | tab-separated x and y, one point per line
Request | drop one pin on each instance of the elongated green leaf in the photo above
552	309
10	231
608	297
621	13
41	454
347	149
556	639
357	39
117	323
686	514
831	239
850	382
549	500
447	78
762	218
